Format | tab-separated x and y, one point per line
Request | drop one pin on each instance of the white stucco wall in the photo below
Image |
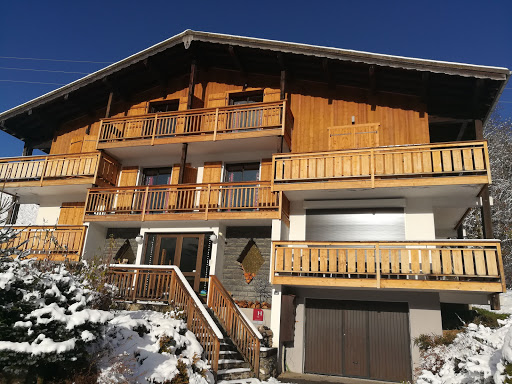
48	214
419	219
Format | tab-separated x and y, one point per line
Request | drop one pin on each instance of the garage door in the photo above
358	339
355	225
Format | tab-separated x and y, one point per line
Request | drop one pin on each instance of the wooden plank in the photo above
415	261
314	259
469	263
479	158
351	260
361	262
458	268
467	155
342	260
385	266
447	261
435	254
306	262
425	261
395	261
457	160
333	260
436	161
492	265
480	262
323	260
279	263
370	260
447	160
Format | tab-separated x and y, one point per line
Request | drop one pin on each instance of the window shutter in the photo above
271	94
71	213
216	100
128	176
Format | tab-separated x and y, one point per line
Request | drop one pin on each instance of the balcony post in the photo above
191	83
486	213
27	149
184	148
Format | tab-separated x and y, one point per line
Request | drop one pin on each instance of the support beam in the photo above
460	232
479	130
191	83
372	85
183	161
462	131
109	104
486	213
27	149
283	84
494	300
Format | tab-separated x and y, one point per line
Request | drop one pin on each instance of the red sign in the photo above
257	315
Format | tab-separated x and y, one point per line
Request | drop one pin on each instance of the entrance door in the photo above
358	339
184	251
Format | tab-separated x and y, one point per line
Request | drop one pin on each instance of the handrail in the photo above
391	263
378	166
215	123
101	167
198	200
243	333
46	239
167	283
196	110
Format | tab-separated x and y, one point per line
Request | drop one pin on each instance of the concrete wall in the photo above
424	316
94	241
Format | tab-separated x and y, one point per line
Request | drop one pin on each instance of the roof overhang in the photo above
180	44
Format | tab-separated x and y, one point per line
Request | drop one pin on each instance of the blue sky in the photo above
477	32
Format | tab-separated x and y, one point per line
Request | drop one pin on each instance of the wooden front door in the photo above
184	251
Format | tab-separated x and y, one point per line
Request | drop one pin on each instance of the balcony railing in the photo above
209	124
436	265
49	242
80	168
186	202
411	165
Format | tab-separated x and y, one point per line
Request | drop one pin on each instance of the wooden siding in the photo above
71	213
414	165
314	107
438	265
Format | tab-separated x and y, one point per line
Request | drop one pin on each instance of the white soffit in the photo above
367	203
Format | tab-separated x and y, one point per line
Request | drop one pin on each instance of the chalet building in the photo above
329	183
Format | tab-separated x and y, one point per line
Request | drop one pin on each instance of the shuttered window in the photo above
355	225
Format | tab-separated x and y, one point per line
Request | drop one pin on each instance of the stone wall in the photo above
233	278
116	238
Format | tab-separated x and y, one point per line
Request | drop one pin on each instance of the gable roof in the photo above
183	47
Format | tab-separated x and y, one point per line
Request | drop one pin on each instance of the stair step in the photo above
232	363
234	374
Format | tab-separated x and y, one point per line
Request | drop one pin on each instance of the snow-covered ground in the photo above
477	355
132	351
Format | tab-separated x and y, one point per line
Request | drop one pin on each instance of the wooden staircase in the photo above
230	341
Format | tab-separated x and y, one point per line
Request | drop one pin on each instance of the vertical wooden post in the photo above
191	83
378	263
479	130
144	203
207	202
486	213
215	127
283	84
154	129
45	165
184	148
283	127
372	167
27	149
109	104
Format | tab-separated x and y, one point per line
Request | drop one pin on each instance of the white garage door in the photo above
355	225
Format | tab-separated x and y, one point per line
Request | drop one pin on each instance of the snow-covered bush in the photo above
45	320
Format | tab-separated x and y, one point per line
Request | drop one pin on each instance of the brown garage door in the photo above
359	339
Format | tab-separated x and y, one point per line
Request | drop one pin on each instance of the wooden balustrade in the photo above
462	265
52	242
208	124
429	164
81	168
234	322
185	202
167	284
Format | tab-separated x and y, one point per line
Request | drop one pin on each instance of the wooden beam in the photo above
183	161
283	84
479	130
191	83
462	131
486	213
27	149
236	60
372	85
109	104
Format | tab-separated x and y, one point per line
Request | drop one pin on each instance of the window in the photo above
247	117
157	176
246	97
164	106
242	172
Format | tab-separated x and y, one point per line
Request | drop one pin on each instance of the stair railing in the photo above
241	331
167	283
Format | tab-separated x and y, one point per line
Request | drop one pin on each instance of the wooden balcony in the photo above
198	125
57	243
82	168
380	167
431	265
248	200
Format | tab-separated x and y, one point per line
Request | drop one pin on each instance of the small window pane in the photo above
189	254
